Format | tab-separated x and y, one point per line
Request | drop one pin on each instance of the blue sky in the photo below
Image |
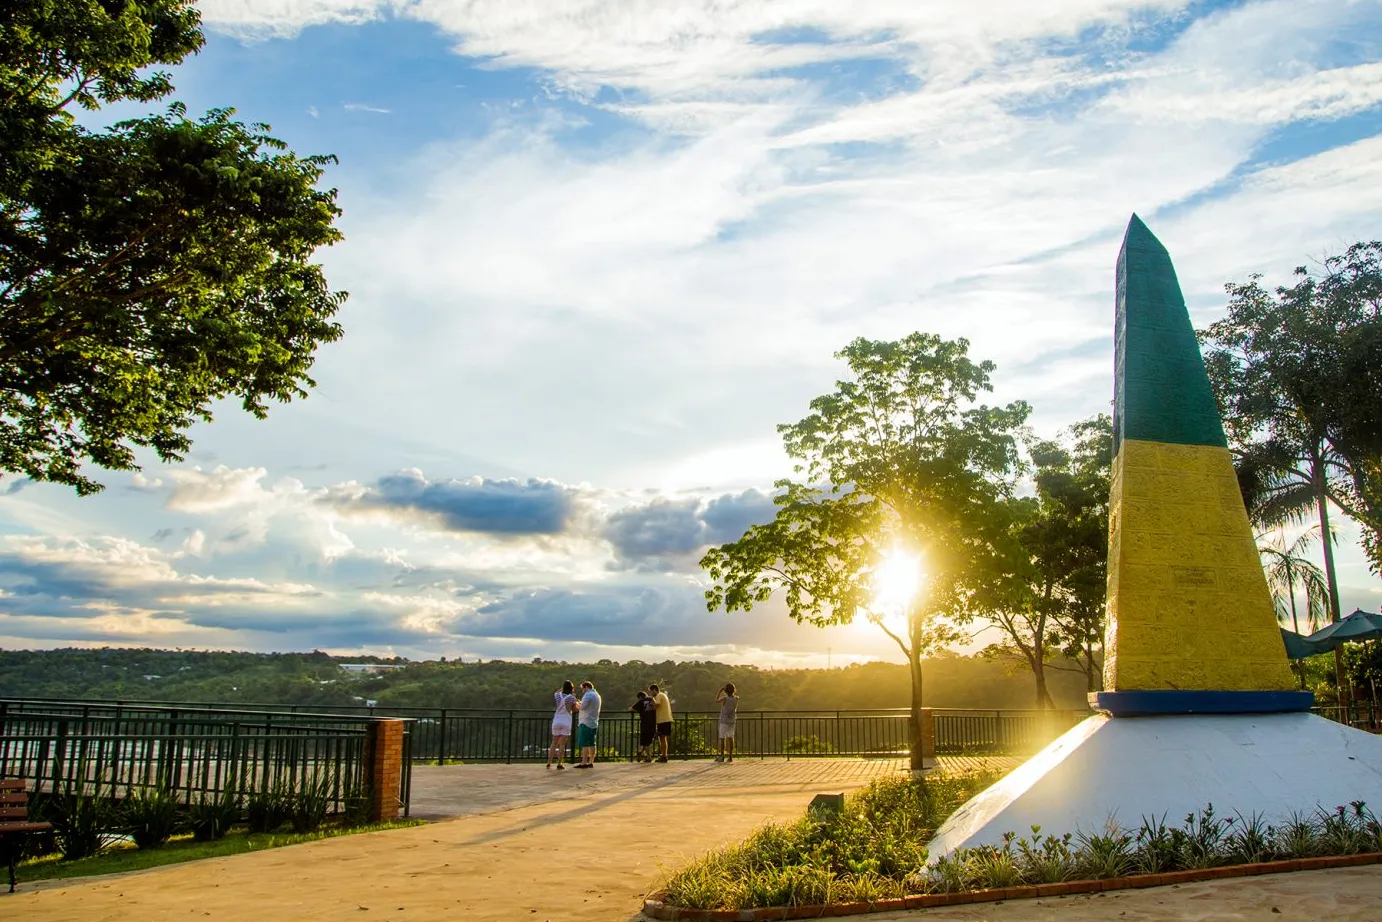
598	250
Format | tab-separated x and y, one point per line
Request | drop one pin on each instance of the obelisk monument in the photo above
1198	706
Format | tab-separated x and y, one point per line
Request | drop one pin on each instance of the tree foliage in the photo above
898	456
1289	571
316	680
1298	377
1051	607
149	268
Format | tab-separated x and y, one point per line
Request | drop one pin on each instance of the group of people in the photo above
654	710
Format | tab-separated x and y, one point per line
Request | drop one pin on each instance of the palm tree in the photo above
1282	487
1287	568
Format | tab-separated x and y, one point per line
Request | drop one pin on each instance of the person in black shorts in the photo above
647	725
664	719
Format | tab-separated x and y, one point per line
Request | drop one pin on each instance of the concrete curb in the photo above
654	907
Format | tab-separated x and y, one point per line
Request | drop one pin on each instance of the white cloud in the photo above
195	490
644	308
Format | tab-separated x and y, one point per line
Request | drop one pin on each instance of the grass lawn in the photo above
123	856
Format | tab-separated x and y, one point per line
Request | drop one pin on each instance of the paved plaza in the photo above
461	790
514	842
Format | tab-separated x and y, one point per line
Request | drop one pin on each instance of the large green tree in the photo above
898	465
147	268
1049	607
1298	376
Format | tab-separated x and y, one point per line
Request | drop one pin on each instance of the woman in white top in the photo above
561	723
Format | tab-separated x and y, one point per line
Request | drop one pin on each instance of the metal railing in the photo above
1362	714
469	735
524	735
197	752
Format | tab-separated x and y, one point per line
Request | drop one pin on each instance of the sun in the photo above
895	581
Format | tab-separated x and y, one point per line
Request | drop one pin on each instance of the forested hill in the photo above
318	679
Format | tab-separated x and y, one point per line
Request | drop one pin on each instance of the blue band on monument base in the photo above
1153	702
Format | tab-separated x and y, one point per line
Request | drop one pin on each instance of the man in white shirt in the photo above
664	719
587	724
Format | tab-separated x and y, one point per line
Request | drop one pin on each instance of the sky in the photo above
597	250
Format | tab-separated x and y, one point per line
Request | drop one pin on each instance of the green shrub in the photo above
151	816
688	739
1046	859
358	804
84	822
806	745
875	848
310	803
1157	848
1345	831
866	851
267	810
211	818
1250	840
1200	841
1105	854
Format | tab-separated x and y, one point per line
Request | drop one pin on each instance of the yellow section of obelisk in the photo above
1188	604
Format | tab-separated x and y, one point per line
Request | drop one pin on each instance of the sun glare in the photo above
895	581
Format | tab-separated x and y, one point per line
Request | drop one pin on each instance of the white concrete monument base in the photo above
1128	767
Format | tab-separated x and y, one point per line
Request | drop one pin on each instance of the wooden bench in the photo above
15	827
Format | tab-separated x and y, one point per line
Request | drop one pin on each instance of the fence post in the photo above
441	740
508	739
928	737
59	758
384	768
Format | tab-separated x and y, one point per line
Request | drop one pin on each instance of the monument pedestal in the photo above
1130	767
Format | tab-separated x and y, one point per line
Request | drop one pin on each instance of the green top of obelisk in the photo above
1160	390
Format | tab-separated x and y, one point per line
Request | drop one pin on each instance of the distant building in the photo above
367	668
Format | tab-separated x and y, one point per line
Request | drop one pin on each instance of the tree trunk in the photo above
914	667
1038	659
1317	475
1043	695
1297	665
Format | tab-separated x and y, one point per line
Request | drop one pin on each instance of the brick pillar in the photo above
928	737
384	768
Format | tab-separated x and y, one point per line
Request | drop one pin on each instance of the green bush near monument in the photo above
864	852
875	849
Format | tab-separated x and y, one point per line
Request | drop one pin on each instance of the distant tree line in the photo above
316	679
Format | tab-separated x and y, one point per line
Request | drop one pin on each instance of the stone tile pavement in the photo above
465	790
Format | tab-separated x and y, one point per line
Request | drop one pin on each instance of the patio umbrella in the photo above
1298	646
1358	626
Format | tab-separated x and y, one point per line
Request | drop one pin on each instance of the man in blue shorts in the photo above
587	724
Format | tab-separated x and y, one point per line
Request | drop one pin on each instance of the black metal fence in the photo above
200	750
197	752
1361	713
518	735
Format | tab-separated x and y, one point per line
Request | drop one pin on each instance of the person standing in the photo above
647	725
729	711
663	707
587	724
565	702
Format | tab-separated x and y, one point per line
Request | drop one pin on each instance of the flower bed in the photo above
657	909
871	857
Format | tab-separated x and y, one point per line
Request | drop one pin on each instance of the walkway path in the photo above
537	844
527	843
460	790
